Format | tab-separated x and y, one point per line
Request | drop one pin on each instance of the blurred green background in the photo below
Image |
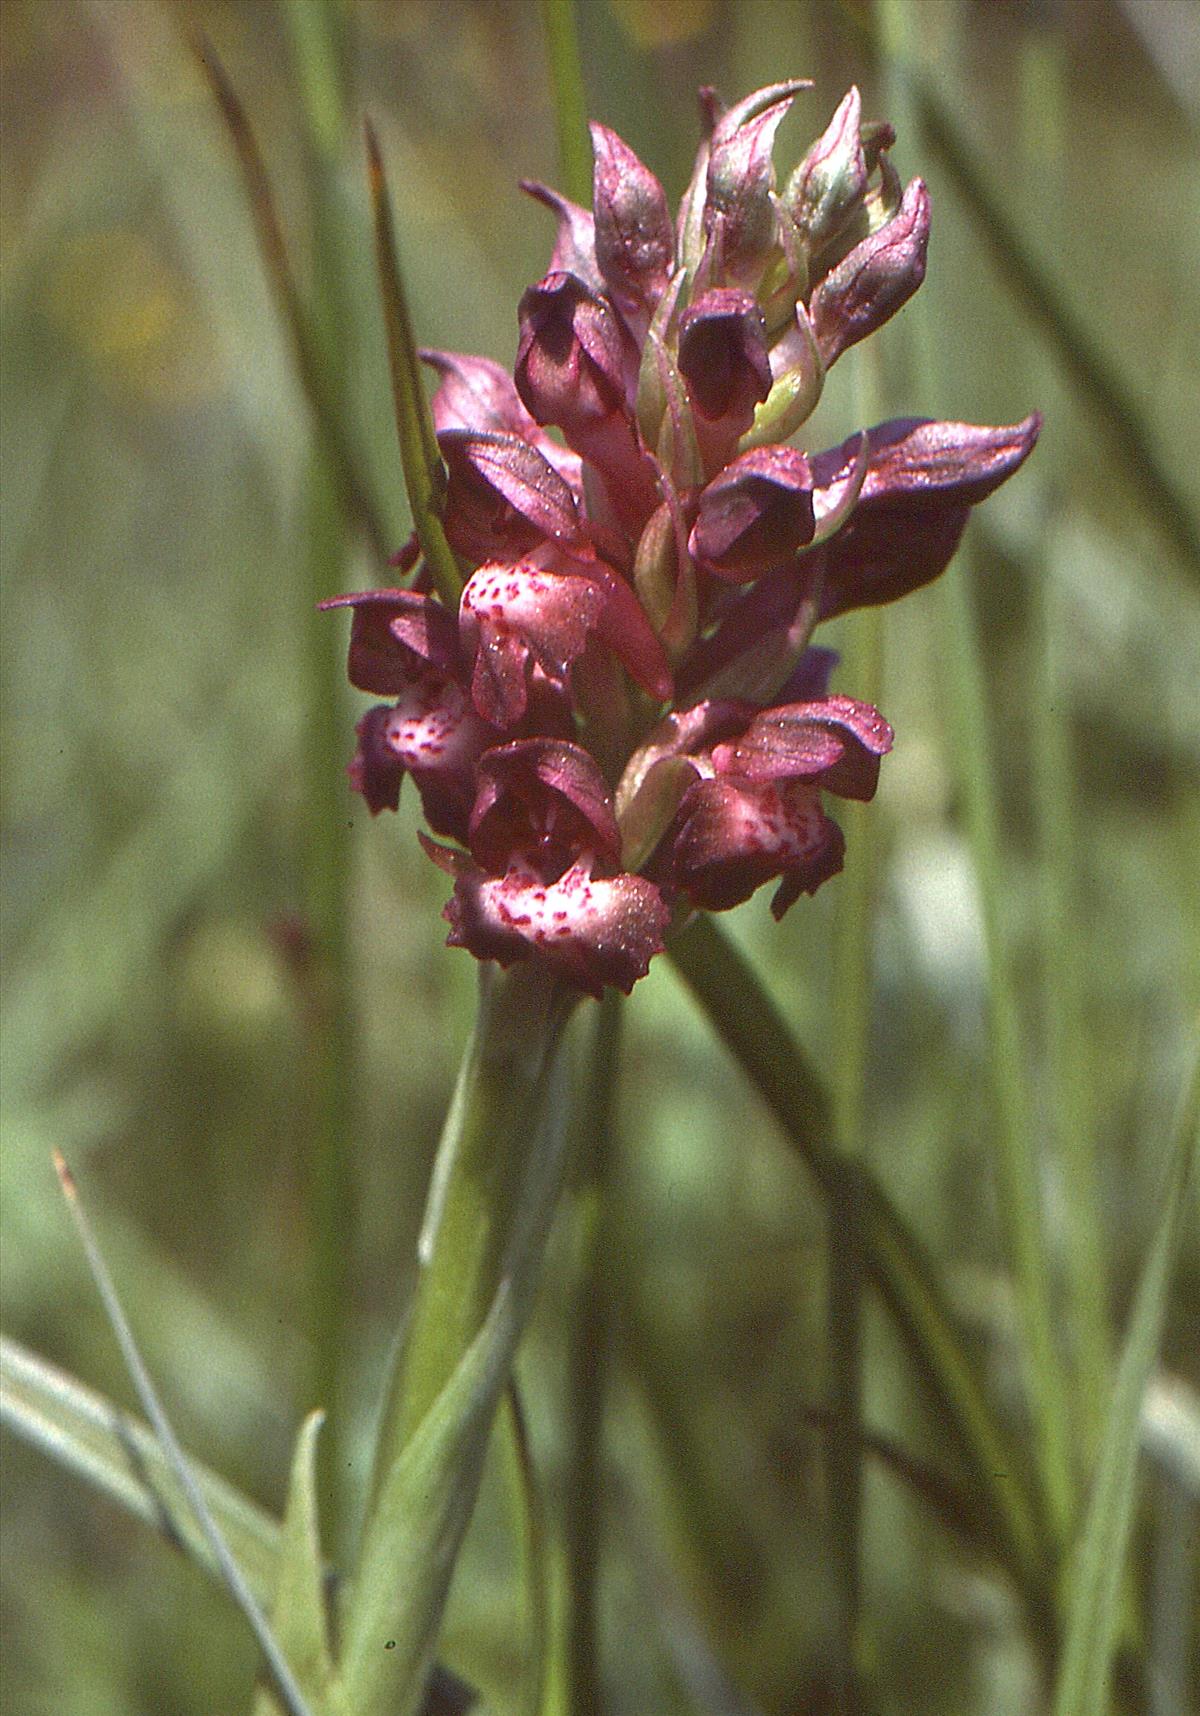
158	1024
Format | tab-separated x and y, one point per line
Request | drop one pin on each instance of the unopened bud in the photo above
874	280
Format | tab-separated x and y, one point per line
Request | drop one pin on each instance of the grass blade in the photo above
312	367
121	1457
536	1553
231	1574
750	1025
1093	1606
1017	1164
424	473
570	99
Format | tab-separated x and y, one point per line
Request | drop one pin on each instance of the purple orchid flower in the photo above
625	720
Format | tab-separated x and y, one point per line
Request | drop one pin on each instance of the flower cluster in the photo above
625	718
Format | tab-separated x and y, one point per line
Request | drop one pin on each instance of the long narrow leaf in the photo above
752	1028
311	365
424	474
120	1456
1093	1613
536	1553
570	100
299	1615
503	1156
416	1527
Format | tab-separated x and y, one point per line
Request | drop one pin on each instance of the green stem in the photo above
495	1184
591	1330
752	1028
570	100
475	1211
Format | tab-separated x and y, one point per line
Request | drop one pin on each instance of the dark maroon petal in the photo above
835	741
475	393
375	770
542	802
889	549
723	356
394	636
741	179
576	363
592	931
966	461
635	240
503	495
922	477
575	245
732	837
874	280
755	514
515	614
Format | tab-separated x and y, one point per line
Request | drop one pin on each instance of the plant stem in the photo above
570	100
591	1330
474	1216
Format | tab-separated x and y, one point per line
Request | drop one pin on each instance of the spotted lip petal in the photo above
432	733
732	836
593	931
513	614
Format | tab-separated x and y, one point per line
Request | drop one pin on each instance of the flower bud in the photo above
575	361
874	280
830	181
635	240
755	514
577	367
739	216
